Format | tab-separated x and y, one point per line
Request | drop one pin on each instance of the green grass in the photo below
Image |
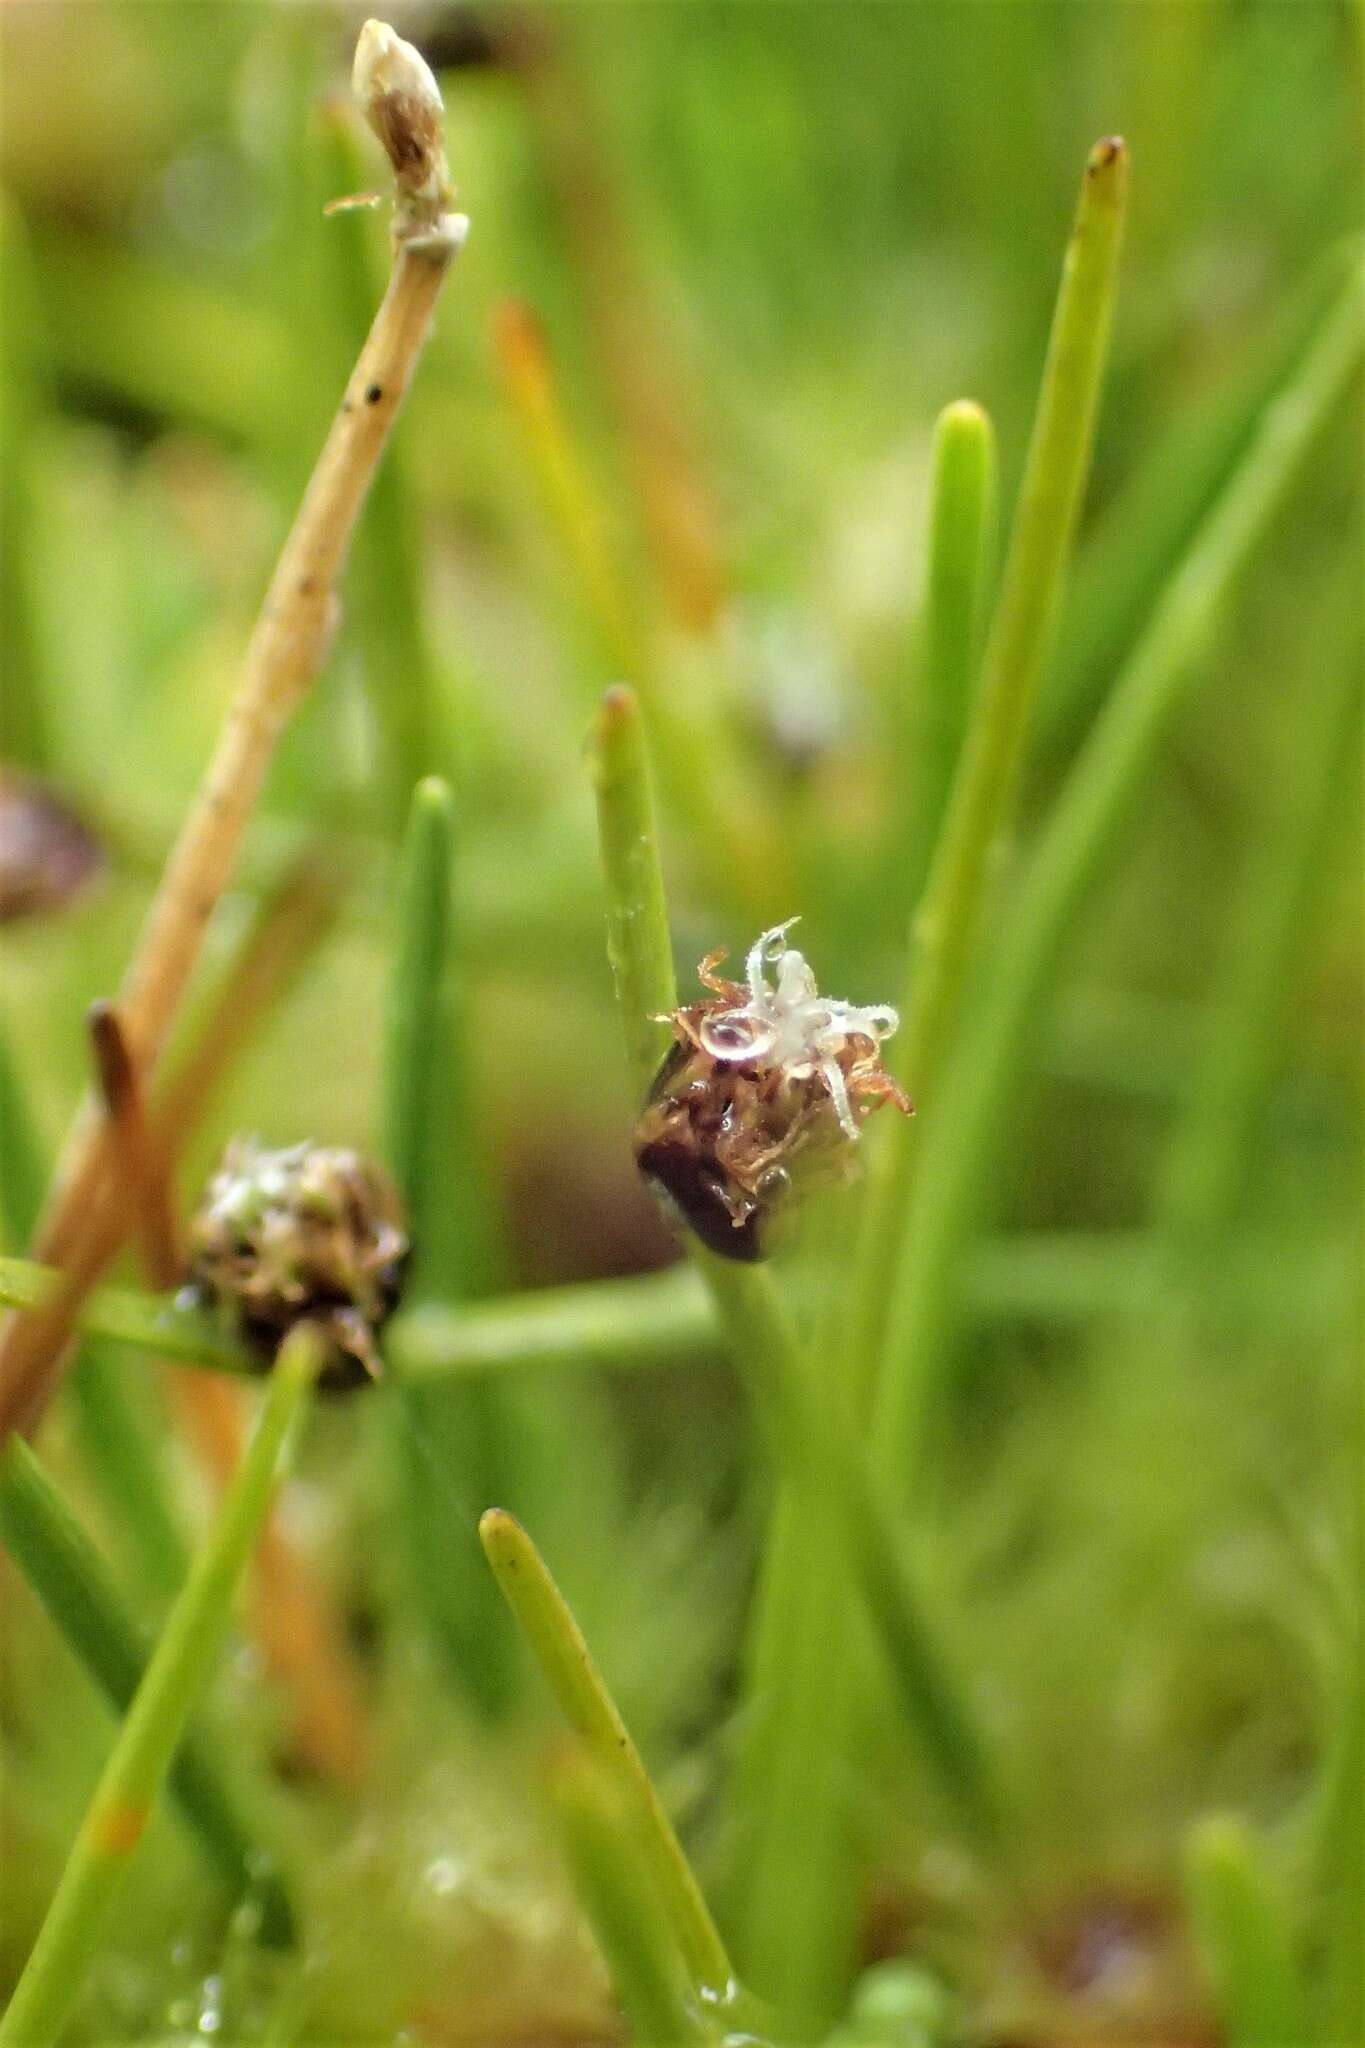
978	1574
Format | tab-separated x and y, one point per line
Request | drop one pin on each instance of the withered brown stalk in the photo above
291	1616
287	648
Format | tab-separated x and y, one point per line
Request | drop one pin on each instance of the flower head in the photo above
399	97
787	1023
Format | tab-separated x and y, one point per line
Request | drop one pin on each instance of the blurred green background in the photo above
765	244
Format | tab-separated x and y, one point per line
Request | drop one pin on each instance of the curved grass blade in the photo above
25	739
452	1442
928	741
1240	1930
114	1427
557	1643
523	357
617	1889
70	1578
986	785
152	1729
1211	1156
1339	1861
1089	815
1141	535
797	1767
810	1446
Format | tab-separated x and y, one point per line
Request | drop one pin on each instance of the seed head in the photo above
399	97
314	1231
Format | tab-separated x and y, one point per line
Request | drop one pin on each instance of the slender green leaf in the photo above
798	1772
557	1643
1338	1864
29	692
928	741
451	1443
638	944
816	1449
1211	1157
1241	1932
152	1730
69	1576
1139	539
618	1892
953	1169
116	1438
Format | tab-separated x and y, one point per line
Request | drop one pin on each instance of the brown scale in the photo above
719	1138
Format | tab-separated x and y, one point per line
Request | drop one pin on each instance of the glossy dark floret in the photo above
694	1189
309	1233
762	1078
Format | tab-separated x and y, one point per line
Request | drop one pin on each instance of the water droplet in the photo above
443	1875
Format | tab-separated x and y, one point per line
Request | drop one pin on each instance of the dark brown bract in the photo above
762	1076
311	1232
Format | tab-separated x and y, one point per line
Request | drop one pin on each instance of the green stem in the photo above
818	1449
30	687
1137	541
24	1181
120	1448
961	558
813	1445
70	1578
639	948
147	1322
564	1658
1241	1931
449	1441
954	1164
985	787
806	1751
1210	1161
1338	1864
616	1886
417	1006
117	1443
668	1318
657	1319
152	1729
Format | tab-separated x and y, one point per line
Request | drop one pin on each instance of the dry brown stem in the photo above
287	648
291	1616
142	1167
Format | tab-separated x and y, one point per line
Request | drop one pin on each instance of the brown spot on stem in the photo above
117	1828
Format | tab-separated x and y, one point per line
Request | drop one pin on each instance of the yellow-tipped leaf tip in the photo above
495	1525
619	705
432	793
964	414
1109	156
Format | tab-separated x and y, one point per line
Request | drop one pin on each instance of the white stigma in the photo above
788	1023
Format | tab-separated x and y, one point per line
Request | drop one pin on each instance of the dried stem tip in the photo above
401	100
